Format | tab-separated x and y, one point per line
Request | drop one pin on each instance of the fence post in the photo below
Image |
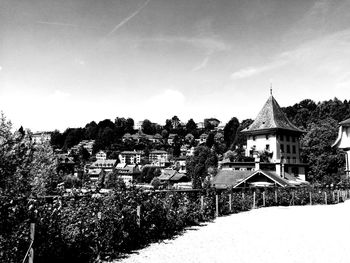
264	198
138	215
325	198
230	202
310	197
338	196
254	199
333	196
216	205
31	253
202	202
276	196
293	196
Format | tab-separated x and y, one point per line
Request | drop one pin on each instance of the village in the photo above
271	152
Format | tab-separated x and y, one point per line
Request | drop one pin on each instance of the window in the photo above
294	149
267	147
281	137
293	139
287	138
254	138
267	137
294	160
288	148
282	148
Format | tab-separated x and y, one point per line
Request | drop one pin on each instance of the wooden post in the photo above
202	202
138	213
293	196
333	197
216	205
310	198
338	196
325	198
230	202
276	196
243	195
254	199
264	198
31	253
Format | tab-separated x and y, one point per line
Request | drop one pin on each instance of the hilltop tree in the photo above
230	131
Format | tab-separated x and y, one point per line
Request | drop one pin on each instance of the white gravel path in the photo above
277	234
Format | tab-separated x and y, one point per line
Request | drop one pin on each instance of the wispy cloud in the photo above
125	20
210	44
202	65
328	55
63	24
251	71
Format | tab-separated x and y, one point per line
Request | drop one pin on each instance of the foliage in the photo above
323	160
198	164
230	132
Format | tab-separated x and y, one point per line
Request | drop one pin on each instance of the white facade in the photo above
343	142
286	146
101	155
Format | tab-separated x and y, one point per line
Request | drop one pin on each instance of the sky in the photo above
64	63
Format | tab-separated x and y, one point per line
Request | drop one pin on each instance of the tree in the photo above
198	164
148	173
323	160
57	140
91	130
230	132
175	122
147	127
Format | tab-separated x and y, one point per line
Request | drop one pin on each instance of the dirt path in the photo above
278	234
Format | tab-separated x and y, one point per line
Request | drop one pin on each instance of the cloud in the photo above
252	71
125	20
328	55
201	65
209	44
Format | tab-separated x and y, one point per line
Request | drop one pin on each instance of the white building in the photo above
273	133
343	143
101	155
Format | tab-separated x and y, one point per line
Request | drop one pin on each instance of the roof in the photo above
171	175
270	117
130	152
345	123
234	178
229	178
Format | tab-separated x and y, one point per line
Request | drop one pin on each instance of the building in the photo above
273	134
41	137
159	158
105	165
273	142
128	173
343	143
101	155
130	157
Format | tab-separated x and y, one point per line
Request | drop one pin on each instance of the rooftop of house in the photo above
232	178
270	117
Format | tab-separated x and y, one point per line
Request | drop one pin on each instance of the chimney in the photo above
278	167
257	162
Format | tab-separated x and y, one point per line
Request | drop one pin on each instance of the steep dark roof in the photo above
270	117
345	123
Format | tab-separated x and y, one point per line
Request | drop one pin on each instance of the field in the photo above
316	233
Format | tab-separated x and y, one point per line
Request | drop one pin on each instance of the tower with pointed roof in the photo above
343	143
272	132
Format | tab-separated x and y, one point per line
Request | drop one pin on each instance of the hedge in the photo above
90	229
